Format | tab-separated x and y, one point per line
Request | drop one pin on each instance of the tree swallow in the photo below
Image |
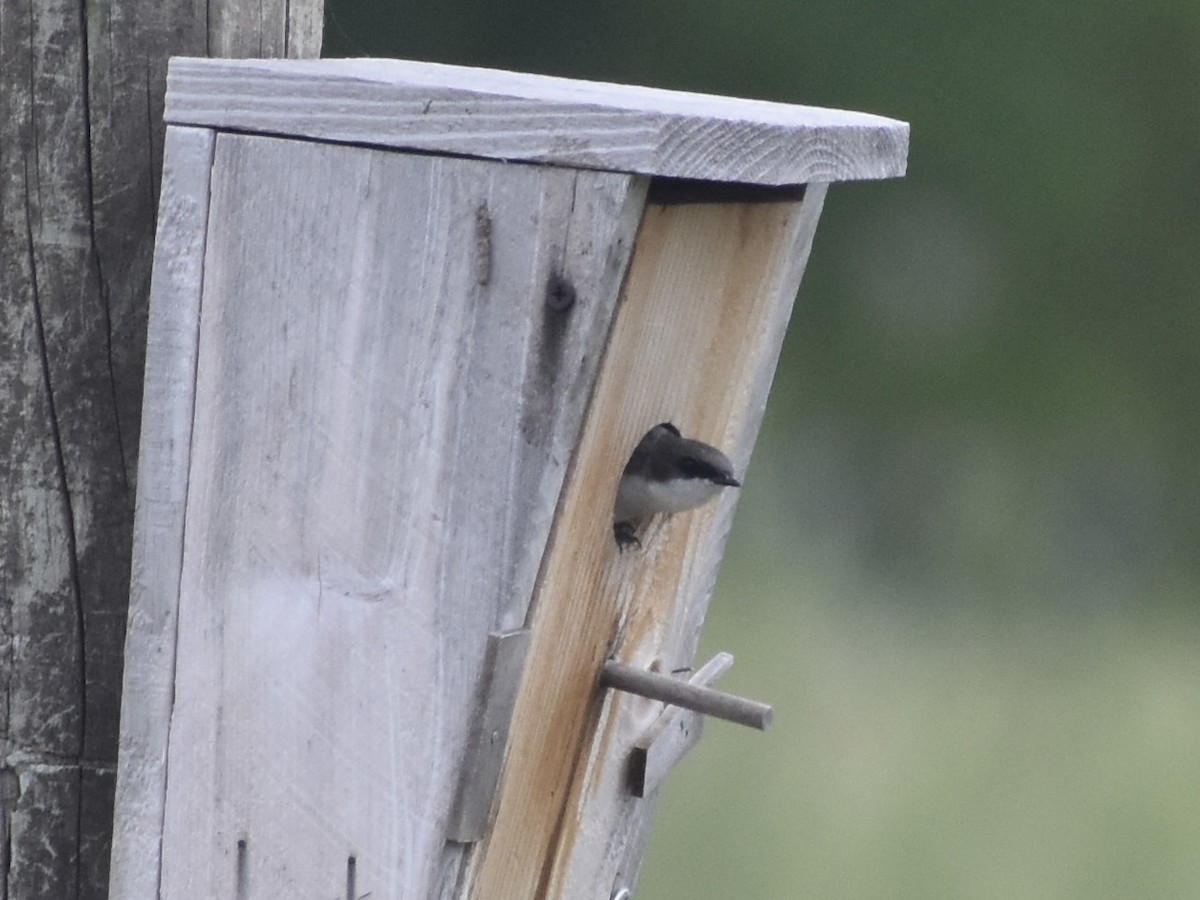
667	473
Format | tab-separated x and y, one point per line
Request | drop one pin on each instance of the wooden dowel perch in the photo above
705	700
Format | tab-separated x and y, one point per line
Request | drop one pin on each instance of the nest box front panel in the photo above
350	541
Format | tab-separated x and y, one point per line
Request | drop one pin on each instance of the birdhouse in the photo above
408	324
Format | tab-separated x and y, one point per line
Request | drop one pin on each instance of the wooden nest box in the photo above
407	323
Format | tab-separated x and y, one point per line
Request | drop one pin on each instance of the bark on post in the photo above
81	136
408	321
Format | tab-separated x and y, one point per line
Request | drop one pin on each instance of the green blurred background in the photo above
965	566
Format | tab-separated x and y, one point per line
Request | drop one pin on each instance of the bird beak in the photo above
728	481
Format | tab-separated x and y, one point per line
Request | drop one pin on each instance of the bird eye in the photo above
692	467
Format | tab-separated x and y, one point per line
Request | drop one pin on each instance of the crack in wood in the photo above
89	206
68	511
241	873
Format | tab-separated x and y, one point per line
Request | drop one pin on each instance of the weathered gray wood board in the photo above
162	493
81	137
508	115
380	435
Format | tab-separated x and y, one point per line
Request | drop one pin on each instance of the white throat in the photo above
639	497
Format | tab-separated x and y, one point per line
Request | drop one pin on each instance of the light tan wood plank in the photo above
382	428
515	116
695	342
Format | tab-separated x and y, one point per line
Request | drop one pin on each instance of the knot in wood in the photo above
560	293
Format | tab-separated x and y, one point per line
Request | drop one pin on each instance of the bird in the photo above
667	473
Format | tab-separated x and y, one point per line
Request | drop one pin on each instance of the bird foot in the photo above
626	536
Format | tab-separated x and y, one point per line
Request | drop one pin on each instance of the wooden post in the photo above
387	409
81	140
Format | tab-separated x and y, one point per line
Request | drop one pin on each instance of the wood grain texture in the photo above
695	342
268	29
507	115
149	680
81	136
380	439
